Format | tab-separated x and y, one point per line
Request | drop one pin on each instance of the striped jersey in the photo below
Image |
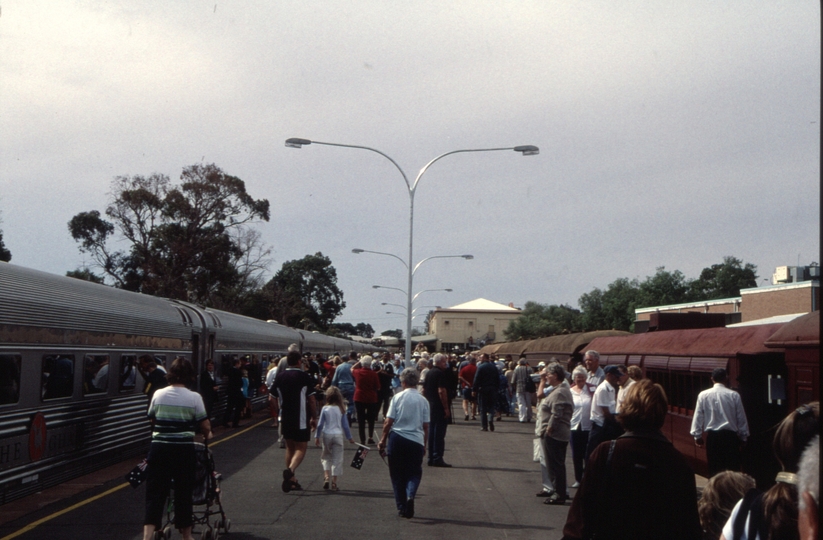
176	412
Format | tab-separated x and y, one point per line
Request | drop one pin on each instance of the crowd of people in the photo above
610	416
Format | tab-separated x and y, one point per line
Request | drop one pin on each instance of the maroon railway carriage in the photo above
682	362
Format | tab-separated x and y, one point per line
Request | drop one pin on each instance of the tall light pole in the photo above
526	150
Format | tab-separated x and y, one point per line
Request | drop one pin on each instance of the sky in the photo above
671	133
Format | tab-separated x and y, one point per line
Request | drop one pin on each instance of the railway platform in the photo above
489	493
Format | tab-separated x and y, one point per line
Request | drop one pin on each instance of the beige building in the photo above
471	325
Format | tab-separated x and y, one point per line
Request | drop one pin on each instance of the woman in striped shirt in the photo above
175	412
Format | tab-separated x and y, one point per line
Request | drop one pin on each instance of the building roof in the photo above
769	320
481	304
719	342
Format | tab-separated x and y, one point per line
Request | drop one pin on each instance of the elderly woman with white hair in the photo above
366	400
581	423
554	416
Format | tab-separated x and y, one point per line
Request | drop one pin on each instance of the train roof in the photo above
801	332
705	342
569	343
49	308
239	331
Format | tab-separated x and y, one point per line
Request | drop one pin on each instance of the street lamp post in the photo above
526	150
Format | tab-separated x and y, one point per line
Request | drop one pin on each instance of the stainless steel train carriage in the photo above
71	398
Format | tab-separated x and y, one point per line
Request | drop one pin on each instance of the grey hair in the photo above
438	357
366	361
808	475
522	361
594	354
409	377
580	370
557	369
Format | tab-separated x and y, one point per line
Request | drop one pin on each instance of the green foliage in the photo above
541	320
393	333
614	307
5	254
187	241
86	275
304	293
724	280
349	329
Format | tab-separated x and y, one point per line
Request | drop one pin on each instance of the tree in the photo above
393	333
664	288
541	320
349	329
86	275
612	308
305	293
5	254
189	241
724	280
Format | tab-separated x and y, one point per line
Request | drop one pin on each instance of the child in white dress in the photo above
331	428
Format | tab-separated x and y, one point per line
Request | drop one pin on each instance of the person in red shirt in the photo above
466	377
366	387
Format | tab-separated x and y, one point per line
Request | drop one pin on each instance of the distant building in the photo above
471	325
795	292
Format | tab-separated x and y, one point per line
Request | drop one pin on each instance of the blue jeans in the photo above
405	468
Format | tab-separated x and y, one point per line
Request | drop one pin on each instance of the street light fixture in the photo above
526	150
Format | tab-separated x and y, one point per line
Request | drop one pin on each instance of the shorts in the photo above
467	394
291	433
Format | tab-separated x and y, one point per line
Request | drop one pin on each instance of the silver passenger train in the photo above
71	398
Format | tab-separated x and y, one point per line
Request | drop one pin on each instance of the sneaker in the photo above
545	493
467	418
576	485
371	441
409	509
491	426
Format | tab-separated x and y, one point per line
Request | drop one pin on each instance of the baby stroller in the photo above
206	500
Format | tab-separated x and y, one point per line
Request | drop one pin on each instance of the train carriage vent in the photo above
185	316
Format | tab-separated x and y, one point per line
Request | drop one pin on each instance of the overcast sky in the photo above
671	133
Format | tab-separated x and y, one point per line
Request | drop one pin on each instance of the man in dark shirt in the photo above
486	383
436	392
154	376
235	401
292	393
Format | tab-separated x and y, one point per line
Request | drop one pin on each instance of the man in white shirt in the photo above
624	382
592	362
604	401
719	413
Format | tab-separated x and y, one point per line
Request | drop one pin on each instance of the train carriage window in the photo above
128	372
10	378
226	361
95	374
58	376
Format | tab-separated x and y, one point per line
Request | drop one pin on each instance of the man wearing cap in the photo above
592	362
522	376
719	413
604	401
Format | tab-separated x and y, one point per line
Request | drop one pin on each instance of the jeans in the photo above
405	468
437	436
486	404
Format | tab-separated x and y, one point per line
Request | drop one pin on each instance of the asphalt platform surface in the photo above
488	493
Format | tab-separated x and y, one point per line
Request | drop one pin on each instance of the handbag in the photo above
538	451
